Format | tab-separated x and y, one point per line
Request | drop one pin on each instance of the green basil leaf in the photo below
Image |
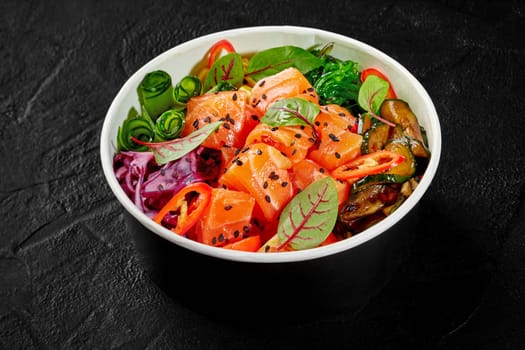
228	68
271	61
372	93
291	111
310	216
168	151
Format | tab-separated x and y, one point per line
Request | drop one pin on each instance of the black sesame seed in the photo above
234	97
259	152
226	126
265	184
214	240
267	198
221	237
337	155
207	119
262	82
274	128
310	89
254	117
228	207
333	137
284	184
236	233
297	136
238	162
264	96
195	123
321	170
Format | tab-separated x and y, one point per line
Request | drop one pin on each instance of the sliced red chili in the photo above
185	208
373	71
216	50
368	164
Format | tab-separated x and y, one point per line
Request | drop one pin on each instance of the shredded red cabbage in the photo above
151	186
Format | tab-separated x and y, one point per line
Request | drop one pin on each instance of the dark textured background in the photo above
69	272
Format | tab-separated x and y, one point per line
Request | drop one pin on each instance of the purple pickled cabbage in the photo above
151	186
131	168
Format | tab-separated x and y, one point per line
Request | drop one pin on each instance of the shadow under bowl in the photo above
233	291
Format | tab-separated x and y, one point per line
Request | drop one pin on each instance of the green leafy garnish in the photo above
168	151
310	216
337	82
291	111
372	94
272	61
228	68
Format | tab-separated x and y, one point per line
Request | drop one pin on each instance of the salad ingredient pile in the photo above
284	150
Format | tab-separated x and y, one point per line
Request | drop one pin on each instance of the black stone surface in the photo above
70	276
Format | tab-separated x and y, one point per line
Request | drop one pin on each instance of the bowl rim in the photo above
256	257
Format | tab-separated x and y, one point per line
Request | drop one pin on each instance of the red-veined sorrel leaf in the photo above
167	151
272	61
291	111
228	68
310	216
372	94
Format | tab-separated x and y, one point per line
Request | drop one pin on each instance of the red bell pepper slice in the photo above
216	50
373	71
185	208
368	164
